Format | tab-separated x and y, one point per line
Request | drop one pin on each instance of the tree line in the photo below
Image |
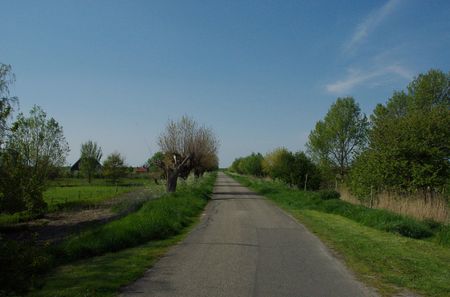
33	147
402	147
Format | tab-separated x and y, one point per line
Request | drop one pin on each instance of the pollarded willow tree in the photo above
186	147
341	135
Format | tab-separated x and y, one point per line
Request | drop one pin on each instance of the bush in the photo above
328	194
328	202
409	228
20	264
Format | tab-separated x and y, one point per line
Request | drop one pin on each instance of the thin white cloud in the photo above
369	24
357	78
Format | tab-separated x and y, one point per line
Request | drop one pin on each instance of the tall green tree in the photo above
7	78
409	143
35	146
340	136
91	154
114	167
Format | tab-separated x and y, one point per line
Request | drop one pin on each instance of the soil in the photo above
55	226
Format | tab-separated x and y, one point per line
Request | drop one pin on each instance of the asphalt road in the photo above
246	246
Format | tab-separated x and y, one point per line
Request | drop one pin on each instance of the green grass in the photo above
156	219
69	193
99	261
103	276
64	197
385	260
375	218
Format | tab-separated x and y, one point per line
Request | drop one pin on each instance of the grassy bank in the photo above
157	219
115	253
386	260
103	276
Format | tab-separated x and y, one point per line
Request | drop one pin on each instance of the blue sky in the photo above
260	73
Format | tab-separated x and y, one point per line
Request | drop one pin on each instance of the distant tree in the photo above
6	100
340	137
295	169
91	154
185	146
114	167
409	143
155	172
304	173
278	164
252	165
35	147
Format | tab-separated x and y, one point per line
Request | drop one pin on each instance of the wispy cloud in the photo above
369	24
357	78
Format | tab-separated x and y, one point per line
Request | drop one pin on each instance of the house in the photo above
76	165
140	170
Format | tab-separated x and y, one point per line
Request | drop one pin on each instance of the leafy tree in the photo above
155	172
6	100
251	165
278	164
91	154
295	169
304	173
35	146
114	167
339	138
185	146
409	143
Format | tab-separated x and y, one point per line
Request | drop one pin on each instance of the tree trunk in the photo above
172	177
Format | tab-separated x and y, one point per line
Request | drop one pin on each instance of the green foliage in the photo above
339	138
20	264
34	147
251	165
154	166
91	154
409	142
6	100
384	260
375	218
295	169
328	194
114	167
157	219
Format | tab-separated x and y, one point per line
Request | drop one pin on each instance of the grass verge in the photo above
136	240
103	276
155	220
385	260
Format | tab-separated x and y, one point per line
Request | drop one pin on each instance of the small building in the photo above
76	165
139	170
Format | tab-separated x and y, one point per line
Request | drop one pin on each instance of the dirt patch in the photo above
54	227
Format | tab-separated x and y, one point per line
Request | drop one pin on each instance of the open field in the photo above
76	193
389	261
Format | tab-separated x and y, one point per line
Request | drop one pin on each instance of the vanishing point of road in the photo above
247	246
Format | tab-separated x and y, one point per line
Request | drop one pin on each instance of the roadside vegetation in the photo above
380	246
375	188
155	225
396	159
52	214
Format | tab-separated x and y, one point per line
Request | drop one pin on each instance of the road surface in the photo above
246	246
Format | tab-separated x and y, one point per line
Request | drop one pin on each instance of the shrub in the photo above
20	264
328	194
